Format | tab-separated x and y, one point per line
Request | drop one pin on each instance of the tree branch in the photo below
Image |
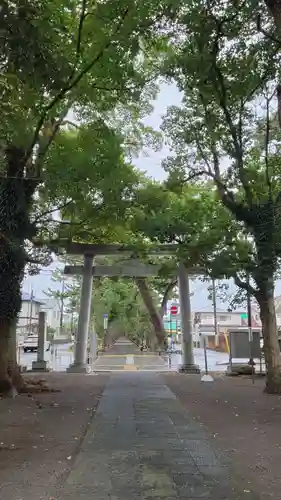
226	196
221	90
245	286
49	212
47	139
70	85
267	35
236	135
194	175
155	317
266	146
70	223
80	29
72	124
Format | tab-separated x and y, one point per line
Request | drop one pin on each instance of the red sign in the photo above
174	310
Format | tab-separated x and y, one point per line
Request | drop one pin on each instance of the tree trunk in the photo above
155	317
166	296
13	367
6	386
271	344
274	7
11	380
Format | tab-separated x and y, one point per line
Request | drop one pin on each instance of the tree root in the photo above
273	382
26	386
33	386
6	388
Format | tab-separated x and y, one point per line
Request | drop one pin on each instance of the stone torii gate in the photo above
134	269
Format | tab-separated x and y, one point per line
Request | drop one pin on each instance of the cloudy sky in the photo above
151	164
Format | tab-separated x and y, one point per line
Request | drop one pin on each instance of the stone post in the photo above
188	365
80	357
41	365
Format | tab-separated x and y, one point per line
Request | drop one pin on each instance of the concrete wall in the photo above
240	345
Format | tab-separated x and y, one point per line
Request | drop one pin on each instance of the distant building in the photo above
204	321
29	314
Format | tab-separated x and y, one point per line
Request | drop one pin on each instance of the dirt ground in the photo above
243	422
40	434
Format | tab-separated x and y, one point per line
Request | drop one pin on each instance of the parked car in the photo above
174	350
30	343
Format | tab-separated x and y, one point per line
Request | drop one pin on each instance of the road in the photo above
126	356
59	359
216	360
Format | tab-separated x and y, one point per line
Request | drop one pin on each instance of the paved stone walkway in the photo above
124	355
142	444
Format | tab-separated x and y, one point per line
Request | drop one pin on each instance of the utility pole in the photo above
250	327
214	293
30	310
61	307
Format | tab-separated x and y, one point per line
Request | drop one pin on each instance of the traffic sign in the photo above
174	310
105	321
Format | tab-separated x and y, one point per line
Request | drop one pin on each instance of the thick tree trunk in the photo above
6	386
271	344
11	380
13	368
155	317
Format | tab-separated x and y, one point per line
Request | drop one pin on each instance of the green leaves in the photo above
85	174
183	218
226	66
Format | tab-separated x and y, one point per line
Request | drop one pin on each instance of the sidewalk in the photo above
143	444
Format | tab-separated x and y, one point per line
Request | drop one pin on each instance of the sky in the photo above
151	164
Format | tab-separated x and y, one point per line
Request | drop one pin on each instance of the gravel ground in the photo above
40	434
244	423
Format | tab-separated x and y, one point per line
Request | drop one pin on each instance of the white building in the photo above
29	315
204	321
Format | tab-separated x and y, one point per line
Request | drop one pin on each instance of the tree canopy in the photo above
76	81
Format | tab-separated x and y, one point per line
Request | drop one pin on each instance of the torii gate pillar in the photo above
188	365
80	357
